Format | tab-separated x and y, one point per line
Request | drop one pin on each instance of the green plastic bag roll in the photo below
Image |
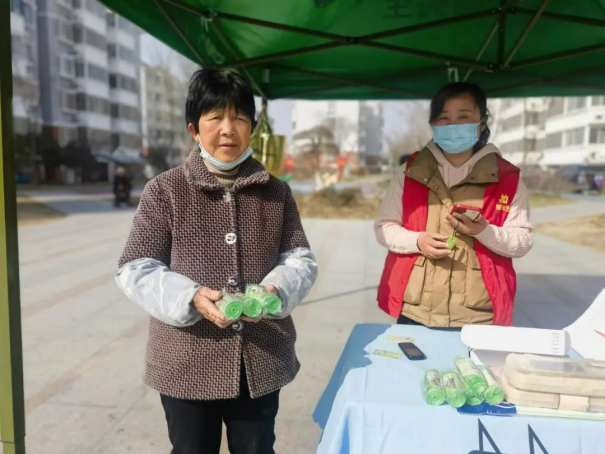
472	398
454	389
271	303
473	378
252	306
231	306
432	388
494	394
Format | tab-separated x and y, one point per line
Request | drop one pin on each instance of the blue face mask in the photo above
221	165
454	139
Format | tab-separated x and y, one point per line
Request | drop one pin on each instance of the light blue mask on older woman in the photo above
455	139
222	165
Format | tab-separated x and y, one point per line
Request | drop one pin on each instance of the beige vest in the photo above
449	292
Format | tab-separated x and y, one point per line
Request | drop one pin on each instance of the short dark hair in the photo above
456	89
212	89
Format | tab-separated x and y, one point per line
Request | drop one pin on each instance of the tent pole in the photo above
12	411
200	60
559	56
422	53
348	82
502	32
565	17
483	48
526	32
235	54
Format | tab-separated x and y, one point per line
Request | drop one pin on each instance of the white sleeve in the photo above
293	277
166	295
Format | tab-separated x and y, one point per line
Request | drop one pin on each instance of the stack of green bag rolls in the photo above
432	389
231	306
255	302
271	303
466	385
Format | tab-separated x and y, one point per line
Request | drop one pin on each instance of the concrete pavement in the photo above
84	342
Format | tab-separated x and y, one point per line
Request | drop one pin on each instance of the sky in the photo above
280	111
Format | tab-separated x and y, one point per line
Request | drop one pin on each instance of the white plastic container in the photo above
567	376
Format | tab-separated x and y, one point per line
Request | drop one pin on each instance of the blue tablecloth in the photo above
374	405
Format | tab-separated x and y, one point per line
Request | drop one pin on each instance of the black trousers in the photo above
403	320
195	426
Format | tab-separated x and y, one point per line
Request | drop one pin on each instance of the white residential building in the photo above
520	132
552	132
575	132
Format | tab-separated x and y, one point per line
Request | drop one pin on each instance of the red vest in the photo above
497	271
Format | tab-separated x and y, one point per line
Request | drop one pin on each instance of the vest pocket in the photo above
476	296
415	287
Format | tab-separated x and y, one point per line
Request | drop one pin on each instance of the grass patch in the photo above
331	204
30	212
538	200
585	231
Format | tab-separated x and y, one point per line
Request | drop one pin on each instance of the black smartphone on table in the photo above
411	352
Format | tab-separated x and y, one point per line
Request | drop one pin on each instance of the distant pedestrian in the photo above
121	188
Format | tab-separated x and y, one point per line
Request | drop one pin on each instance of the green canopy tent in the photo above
328	49
387	49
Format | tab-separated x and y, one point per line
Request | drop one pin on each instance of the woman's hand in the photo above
463	224
270	289
433	245
205	303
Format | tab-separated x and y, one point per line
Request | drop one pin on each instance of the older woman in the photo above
446	267
220	221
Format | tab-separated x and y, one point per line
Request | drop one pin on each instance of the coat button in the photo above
232	281
227	197
230	238
237	326
426	179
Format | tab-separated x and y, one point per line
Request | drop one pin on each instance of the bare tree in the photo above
416	132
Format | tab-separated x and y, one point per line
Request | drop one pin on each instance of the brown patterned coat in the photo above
220	238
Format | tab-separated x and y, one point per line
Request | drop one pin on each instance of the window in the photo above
96	40
126	83
77	4
77	34
598	100
79	69
111	20
512	122
576	103
115	112
113	81
68	101
127	54
530	145
68	67
555	107
67	31
28	13
111	50
574	137
554	140
81	101
597	134
531	118
96	73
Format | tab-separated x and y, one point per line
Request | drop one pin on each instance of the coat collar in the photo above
425	166
250	172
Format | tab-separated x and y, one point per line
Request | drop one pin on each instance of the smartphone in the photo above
469	211
411	351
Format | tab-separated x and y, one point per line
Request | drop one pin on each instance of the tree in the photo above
313	143
416	134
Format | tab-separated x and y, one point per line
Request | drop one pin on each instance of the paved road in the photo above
84	342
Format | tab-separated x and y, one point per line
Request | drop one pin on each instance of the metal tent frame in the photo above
12	414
